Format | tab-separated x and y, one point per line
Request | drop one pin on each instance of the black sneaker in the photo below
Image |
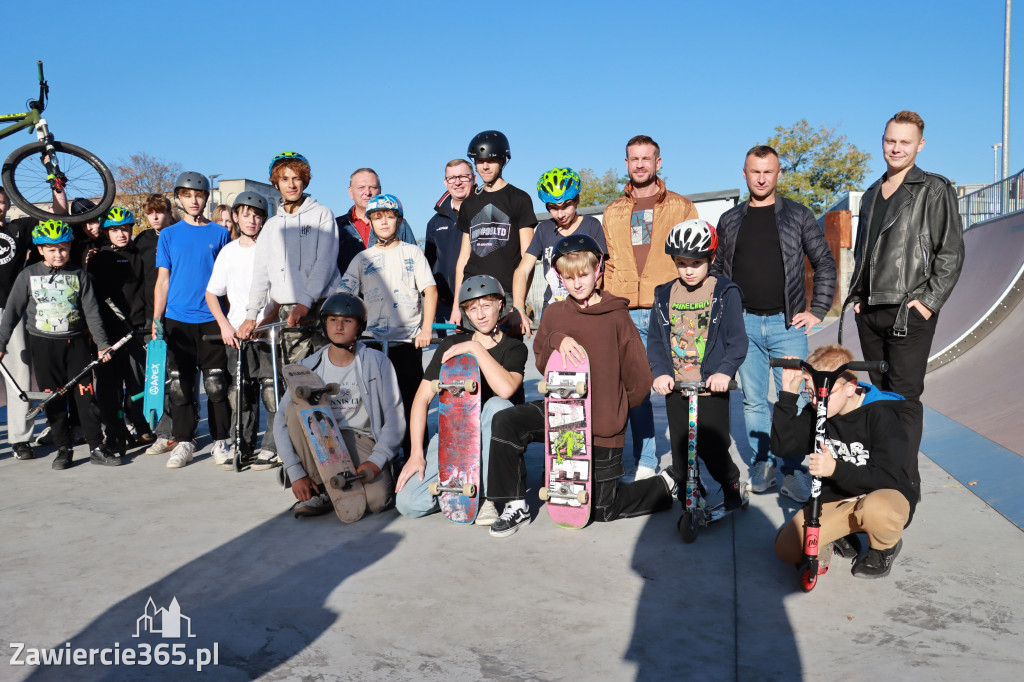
733	496
510	521
62	460
847	547
101	454
877	562
23	451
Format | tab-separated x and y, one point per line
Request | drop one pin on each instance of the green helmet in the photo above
558	185
116	216
51	232
286	156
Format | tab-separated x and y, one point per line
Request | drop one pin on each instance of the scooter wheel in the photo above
689	526
808	577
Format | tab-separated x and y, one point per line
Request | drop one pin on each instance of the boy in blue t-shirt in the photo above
185	255
559	189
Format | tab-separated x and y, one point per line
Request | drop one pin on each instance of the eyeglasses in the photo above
456	179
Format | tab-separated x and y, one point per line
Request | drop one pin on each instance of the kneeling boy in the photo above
368	411
502	360
596	325
865	486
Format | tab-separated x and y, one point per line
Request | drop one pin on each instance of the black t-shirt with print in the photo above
493	220
509	352
15	242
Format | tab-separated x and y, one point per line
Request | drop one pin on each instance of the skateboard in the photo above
567	442
156	379
458	455
343	484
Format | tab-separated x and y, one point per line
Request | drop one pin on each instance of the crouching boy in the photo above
865	484
368	411
595	325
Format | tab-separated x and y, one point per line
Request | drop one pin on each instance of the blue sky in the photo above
403	86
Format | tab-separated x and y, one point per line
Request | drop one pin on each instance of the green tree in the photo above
600	190
817	165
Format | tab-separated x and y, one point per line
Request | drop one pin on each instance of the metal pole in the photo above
995	161
1006	95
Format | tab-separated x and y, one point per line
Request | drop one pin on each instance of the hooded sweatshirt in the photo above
296	258
619	374
869	443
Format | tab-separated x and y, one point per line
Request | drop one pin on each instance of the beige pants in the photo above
881	514
380	492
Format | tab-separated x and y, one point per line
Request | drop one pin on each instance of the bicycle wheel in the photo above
24	178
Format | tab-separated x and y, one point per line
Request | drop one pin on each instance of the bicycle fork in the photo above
54	176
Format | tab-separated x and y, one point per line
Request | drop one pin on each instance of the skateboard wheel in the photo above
543	494
469	385
435	488
582	497
689	526
302	392
581	388
542	387
435	386
336	484
469	490
332	389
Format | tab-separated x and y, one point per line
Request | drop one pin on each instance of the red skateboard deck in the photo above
458	455
567	455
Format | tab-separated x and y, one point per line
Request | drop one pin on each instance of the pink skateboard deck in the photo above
567	453
458	455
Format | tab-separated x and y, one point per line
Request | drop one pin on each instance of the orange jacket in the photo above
620	275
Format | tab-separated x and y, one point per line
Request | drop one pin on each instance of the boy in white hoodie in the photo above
296	260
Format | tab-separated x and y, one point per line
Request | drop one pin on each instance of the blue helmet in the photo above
286	156
384	202
51	232
558	185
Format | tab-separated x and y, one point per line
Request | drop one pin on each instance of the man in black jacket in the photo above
444	240
909	252
763	242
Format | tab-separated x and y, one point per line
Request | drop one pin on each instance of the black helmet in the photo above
253	199
344	305
192	180
490	144
577	242
82	205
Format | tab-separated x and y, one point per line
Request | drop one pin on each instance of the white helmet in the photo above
694	238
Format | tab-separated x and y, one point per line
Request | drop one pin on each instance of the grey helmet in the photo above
253	199
478	287
344	305
192	180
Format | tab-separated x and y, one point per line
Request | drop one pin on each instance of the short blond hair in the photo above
907	116
831	357
576	263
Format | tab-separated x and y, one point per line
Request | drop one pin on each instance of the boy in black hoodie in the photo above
865	484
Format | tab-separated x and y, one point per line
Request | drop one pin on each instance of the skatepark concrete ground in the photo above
390	598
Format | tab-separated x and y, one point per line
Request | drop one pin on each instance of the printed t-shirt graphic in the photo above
56	297
641	226
489	230
689	315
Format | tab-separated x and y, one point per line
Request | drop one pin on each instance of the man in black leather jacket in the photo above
909	252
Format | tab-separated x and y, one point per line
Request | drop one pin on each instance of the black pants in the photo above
713	437
55	361
186	351
256	367
407	360
515	428
908	359
117	380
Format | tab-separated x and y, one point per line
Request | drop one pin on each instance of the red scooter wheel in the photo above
808	577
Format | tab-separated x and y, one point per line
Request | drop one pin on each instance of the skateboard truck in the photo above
344	480
456	389
313	395
562	390
562	492
467	489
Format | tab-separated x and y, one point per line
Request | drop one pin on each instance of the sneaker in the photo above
266	459
487	515
101	454
23	451
512	519
847	547
45	437
762	477
669	475
877	562
733	496
314	506
181	455
797	486
221	453
162	446
643	472
62	460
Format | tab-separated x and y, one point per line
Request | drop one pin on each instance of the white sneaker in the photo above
643	472
797	486
221	453
314	506
762	477
265	459
181	455
487	515
161	446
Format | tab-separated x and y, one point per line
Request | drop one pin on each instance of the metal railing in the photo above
999	198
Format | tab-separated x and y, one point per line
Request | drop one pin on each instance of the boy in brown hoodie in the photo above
596	325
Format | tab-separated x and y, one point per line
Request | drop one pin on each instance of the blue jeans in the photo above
767	337
641	418
415	500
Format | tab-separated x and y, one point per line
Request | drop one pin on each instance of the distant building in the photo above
227	190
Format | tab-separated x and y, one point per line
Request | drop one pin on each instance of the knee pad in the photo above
267	394
216	384
174	391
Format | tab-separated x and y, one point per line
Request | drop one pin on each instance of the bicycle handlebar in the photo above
39	65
